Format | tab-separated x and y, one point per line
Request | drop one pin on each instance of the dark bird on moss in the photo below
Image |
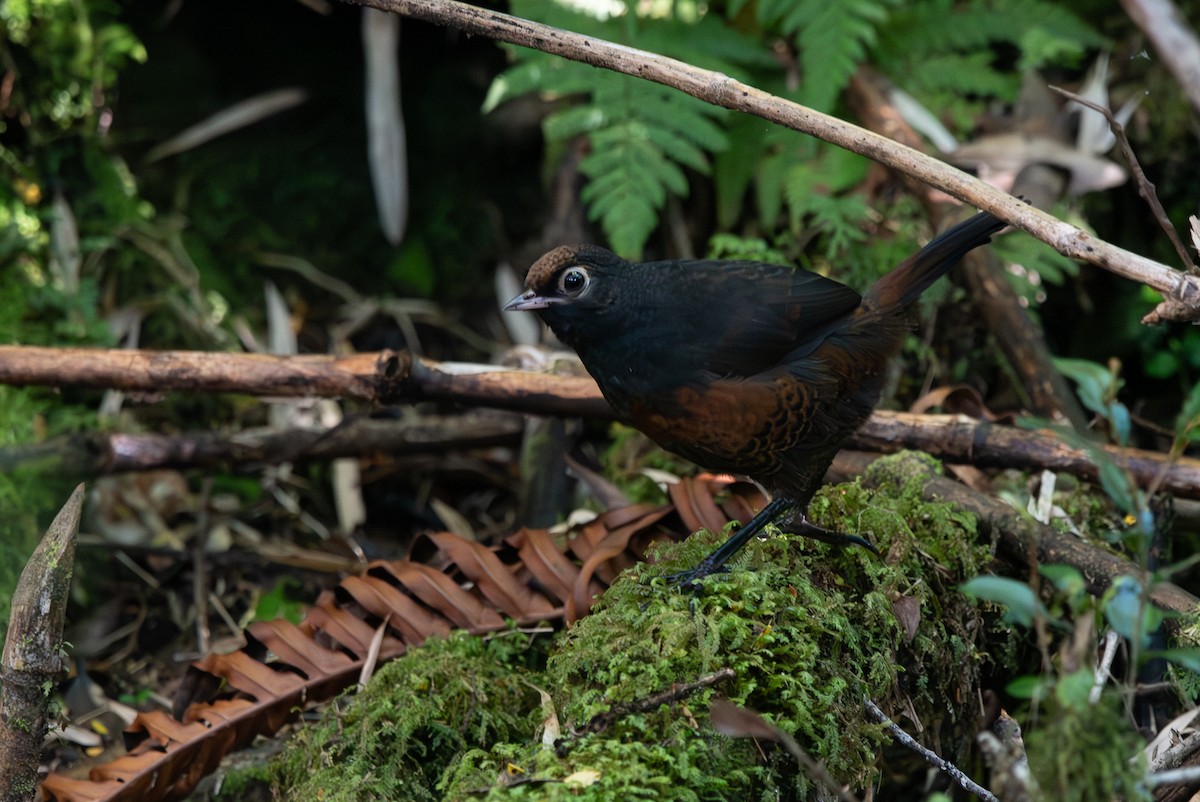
741	367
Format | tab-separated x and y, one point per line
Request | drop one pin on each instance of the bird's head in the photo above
570	286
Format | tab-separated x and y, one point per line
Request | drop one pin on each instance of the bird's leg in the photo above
778	507
716	560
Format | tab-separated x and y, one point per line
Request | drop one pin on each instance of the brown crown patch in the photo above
545	269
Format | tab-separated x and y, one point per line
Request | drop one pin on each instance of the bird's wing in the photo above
746	316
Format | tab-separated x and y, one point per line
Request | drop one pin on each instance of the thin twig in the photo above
1145	186
930	757
1111	641
742	722
1181	290
602	721
1184	776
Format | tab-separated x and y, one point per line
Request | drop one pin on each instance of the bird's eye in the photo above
574	281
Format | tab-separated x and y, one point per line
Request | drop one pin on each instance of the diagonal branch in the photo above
1181	291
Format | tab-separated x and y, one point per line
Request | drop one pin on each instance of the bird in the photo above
742	367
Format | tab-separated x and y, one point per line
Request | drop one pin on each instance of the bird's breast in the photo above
735	425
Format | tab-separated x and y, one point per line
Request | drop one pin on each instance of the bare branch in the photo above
394	377
387	377
1145	186
930	757
957	438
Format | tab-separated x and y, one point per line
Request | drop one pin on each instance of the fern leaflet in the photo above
642	136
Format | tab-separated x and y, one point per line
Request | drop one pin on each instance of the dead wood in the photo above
117	452
386	377
396	377
959	439
33	652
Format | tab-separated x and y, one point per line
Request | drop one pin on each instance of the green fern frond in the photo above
735	167
832	39
778	156
812	192
645	137
630	177
833	42
958	84
940	26
749	249
941	50
642	136
963	74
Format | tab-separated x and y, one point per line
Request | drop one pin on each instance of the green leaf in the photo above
1022	603
1097	387
1093	382
1027	687
413	268
941	50
1128	611
1188	420
1188	658
1073	690
1161	365
1066	578
834	39
572	122
734	168
642	136
1121	422
1115	482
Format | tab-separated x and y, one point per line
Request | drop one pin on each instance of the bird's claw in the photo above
810	530
690	579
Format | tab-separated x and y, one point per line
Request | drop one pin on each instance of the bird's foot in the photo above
714	563
690	579
804	528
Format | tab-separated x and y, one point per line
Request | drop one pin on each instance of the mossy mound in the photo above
808	630
396	738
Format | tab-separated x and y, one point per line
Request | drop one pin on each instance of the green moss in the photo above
396	738
660	756
807	629
1084	506
1186	636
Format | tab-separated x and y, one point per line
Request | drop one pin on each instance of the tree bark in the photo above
33	651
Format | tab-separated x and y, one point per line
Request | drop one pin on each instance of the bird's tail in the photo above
902	286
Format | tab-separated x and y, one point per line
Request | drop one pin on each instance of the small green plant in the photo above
643	136
1083	741
283	600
